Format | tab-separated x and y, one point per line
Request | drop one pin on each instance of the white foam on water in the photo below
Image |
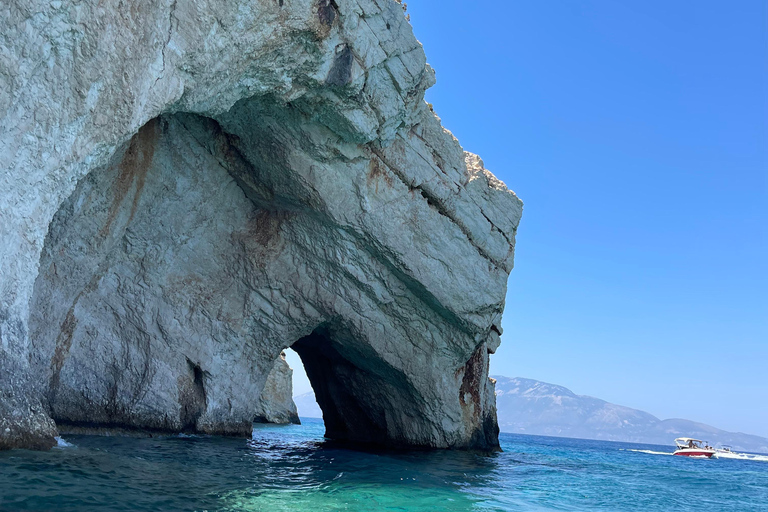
719	455
650	452
60	443
741	456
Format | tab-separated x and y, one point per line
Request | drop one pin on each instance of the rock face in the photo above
276	401
188	188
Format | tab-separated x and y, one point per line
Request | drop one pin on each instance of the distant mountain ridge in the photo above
527	406
307	405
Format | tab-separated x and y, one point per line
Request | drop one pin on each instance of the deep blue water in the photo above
292	468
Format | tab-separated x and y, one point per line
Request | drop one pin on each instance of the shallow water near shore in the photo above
290	468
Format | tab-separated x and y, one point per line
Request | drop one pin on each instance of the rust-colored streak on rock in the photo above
473	377
61	352
264	228
377	171
133	169
262	236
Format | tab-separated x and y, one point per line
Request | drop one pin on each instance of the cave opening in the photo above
303	394
333	378
361	398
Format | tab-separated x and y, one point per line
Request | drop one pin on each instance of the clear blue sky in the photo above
636	133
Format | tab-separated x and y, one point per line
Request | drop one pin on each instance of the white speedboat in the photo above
689	447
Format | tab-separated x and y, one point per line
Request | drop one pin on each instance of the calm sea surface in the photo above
291	468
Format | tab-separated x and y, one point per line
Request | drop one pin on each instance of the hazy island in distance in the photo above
527	406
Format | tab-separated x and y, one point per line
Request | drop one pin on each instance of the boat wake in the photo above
741	456
718	454
650	452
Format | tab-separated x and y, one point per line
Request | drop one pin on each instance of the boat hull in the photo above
695	452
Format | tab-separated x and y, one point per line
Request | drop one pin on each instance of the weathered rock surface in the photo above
276	400
188	188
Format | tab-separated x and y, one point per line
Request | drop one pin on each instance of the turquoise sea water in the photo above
290	468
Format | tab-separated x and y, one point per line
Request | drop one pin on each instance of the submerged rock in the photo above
189	188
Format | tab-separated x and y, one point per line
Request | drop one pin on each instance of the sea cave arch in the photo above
173	277
192	188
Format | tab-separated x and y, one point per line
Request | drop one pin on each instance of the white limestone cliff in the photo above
276	400
188	188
